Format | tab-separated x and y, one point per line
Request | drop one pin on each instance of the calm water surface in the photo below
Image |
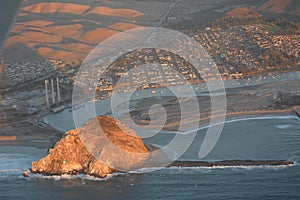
264	138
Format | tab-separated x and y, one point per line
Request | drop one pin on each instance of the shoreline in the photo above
239	116
252	115
20	140
259	101
231	117
43	120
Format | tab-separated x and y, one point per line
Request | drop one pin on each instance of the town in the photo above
245	50
240	51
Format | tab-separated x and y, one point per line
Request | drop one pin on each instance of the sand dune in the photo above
60	54
53	7
37	37
36	23
126	13
77	47
69	31
22	14
19	39
44	51
86	21
122	26
18	28
276	6
98	35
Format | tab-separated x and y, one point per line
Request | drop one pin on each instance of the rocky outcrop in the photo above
75	152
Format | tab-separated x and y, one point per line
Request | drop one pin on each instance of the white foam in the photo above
284	126
234	167
233	121
249	119
263	118
70	177
146	170
152	169
10	170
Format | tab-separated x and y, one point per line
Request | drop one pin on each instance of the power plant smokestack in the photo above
46	87
58	89
53	95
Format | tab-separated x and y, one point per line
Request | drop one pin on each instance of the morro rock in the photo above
94	151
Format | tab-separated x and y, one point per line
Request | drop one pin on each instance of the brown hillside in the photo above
125	13
290	7
242	13
43	8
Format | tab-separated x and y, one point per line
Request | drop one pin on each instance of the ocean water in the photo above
253	138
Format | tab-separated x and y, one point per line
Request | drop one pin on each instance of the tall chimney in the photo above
52	87
58	89
46	87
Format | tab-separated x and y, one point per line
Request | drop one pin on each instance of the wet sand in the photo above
279	98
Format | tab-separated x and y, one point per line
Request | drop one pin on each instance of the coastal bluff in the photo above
70	155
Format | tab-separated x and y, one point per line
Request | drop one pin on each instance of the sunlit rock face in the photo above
94	151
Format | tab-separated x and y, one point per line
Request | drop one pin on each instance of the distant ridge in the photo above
290	7
54	7
65	31
242	13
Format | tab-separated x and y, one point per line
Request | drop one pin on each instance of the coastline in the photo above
242	103
143	105
255	114
236	117
231	117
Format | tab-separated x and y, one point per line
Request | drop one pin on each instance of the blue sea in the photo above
268	137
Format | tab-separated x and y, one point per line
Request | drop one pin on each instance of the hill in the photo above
242	13
69	31
289	7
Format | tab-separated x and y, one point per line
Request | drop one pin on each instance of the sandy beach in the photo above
271	99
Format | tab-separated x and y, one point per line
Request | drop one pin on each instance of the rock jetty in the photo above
230	163
297	111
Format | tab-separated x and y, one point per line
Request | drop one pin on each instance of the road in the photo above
161	21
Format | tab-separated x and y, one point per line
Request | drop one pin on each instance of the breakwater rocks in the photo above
229	163
297	111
